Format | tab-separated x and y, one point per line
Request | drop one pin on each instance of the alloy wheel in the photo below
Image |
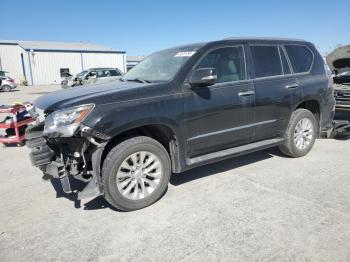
303	133
139	175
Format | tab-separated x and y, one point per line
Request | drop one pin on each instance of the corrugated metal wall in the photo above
43	67
103	60
46	66
10	56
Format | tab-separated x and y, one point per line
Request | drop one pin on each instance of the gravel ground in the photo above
258	207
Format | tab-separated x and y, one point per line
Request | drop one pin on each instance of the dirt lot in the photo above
258	207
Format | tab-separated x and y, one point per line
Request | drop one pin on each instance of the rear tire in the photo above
136	173
300	134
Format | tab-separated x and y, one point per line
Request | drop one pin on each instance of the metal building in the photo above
42	63
132	61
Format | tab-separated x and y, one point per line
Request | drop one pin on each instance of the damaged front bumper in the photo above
342	96
60	158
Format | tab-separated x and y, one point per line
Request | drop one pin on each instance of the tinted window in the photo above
81	74
300	57
228	62
286	69
115	73
266	60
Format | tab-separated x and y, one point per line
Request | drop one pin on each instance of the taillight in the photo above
329	75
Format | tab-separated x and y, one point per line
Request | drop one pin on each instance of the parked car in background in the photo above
7	83
92	76
181	108
342	78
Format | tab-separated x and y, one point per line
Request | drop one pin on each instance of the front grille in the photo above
41	153
342	95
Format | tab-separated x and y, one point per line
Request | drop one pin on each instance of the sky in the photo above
142	27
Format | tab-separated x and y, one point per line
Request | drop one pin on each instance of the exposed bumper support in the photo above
54	166
94	187
339	127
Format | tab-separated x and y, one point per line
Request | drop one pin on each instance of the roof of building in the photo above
134	58
60	46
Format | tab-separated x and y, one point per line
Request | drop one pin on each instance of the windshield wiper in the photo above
136	80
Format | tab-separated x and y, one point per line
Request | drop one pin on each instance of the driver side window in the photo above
229	63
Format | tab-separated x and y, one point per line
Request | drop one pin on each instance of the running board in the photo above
235	151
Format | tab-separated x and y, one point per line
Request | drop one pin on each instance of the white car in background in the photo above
92	76
7	83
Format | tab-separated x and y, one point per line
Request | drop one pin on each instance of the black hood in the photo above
101	93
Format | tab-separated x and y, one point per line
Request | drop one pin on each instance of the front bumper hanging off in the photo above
339	127
54	166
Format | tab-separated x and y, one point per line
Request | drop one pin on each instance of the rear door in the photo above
276	90
220	116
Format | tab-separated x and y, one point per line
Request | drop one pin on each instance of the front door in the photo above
220	116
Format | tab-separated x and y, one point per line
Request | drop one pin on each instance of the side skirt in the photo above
235	151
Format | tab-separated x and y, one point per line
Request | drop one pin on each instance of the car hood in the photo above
97	94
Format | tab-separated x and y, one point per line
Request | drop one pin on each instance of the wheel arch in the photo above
314	106
162	132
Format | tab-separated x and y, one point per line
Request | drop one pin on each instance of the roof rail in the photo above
263	38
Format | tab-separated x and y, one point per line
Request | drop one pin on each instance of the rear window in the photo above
266	60
300	57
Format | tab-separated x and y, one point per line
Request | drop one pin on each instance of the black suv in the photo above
181	108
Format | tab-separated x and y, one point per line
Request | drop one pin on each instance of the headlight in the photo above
64	123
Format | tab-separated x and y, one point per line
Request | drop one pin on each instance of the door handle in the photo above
248	93
292	86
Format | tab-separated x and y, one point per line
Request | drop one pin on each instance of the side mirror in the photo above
203	77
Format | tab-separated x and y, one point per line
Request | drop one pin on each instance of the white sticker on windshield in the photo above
182	54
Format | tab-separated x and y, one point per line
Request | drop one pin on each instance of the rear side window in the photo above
300	57
266	60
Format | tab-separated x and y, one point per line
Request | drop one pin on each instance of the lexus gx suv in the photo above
181	108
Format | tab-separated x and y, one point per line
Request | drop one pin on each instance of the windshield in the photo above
81	74
159	67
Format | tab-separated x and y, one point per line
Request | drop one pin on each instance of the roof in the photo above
134	58
60	46
238	39
265	39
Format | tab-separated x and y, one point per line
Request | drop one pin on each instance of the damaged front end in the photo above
62	146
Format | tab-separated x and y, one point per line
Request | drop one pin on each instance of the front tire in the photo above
6	88
136	173
300	134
